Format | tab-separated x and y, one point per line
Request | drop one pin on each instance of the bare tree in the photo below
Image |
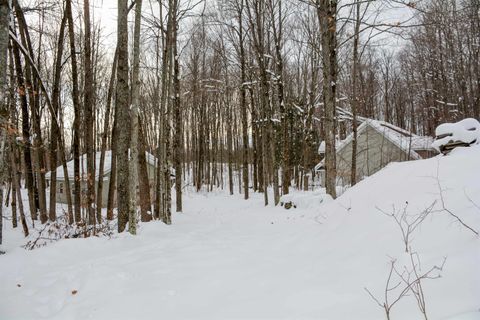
105	133
408	279
55	130
134	113
243	98
407	223
88	114
327	19
122	116
4	23
76	108
177	114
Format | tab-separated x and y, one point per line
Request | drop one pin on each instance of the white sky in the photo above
105	13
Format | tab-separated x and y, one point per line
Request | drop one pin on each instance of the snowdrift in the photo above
368	240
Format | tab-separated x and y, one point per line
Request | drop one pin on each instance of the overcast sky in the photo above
105	13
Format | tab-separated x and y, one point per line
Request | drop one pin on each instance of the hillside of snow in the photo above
227	258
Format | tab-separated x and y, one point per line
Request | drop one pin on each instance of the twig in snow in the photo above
444	207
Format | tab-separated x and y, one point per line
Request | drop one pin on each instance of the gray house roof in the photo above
403	139
83	166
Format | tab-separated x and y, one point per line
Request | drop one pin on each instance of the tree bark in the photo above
177	115
101	166
77	116
88	114
4	23
123	118
54	129
16	175
27	156
327	18
243	102
133	168
143	180
353	176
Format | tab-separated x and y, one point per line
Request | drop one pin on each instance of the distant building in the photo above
378	144
60	189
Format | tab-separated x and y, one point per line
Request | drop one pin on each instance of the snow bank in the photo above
368	239
306	199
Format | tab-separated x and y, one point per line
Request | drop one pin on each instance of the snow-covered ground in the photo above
227	258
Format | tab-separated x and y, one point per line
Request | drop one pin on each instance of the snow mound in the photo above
305	199
462	133
358	225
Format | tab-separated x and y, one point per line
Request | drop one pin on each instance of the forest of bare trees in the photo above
234	94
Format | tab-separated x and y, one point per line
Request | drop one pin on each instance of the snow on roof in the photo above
402	138
83	166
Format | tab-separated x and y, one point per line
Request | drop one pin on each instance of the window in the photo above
60	187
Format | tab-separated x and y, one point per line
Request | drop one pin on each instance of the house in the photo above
60	187
378	144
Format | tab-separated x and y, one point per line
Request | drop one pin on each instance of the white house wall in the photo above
374	151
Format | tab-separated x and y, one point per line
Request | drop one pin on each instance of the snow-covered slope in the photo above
369	240
226	258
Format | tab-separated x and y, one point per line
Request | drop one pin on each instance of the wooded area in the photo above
234	94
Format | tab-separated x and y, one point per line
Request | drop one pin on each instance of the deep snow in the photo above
466	131
227	258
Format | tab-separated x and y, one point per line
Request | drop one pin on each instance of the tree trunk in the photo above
88	114
133	168
243	102
143	180
177	114
27	157
327	17
113	172
54	129
4	23
16	175
277	34
77	116
101	166
123	118
353	176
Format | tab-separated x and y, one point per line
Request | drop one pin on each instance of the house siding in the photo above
62	196
374	151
